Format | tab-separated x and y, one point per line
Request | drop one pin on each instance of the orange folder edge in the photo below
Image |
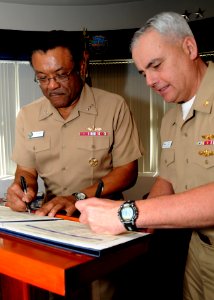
64	217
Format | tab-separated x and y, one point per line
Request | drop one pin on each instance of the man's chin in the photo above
57	102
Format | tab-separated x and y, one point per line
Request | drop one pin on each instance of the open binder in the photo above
66	234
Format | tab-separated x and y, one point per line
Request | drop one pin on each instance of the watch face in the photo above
127	213
80	196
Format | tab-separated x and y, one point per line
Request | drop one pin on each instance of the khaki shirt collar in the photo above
204	98
46	108
86	104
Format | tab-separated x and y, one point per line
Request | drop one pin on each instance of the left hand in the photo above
57	204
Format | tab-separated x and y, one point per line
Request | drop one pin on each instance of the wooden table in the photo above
24	264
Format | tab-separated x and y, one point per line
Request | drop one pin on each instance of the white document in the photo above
62	233
8	215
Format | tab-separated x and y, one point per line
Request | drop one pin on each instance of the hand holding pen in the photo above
24	188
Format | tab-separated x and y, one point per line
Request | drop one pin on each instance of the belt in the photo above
204	238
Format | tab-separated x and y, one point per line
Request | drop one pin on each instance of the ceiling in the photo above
69	2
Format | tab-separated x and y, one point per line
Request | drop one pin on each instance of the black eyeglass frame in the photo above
57	78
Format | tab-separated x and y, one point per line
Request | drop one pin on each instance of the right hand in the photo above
16	198
101	215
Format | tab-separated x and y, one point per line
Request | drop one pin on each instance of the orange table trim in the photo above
36	264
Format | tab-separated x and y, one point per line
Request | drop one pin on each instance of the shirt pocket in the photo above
41	150
95	151
204	157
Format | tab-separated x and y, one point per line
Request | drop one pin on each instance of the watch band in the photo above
130	226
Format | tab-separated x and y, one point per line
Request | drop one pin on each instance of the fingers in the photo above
83	218
48	209
26	197
80	205
59	205
70	211
16	204
14	198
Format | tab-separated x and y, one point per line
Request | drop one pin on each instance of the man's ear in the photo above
190	47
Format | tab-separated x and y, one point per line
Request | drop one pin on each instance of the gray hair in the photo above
170	24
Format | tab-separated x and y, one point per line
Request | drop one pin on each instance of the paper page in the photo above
8	215
62	233
70	233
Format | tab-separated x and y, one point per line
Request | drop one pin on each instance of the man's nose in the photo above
151	79
52	82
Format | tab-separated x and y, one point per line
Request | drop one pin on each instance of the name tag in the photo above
167	144
36	134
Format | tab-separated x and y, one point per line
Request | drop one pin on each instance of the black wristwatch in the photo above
128	214
79	196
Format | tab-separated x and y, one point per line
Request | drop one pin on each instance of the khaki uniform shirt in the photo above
187	158
72	154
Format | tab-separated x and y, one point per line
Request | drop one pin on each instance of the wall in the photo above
99	17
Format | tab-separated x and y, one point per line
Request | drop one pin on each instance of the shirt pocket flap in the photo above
93	143
204	158
168	156
39	144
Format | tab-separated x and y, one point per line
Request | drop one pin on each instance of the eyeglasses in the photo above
44	80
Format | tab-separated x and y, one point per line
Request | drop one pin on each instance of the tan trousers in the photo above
199	272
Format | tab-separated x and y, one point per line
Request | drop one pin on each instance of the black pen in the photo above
99	189
24	188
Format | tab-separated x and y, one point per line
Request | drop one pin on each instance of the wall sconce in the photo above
193	15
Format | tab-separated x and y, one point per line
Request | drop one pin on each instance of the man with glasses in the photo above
71	137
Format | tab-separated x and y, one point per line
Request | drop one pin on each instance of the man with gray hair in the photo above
166	54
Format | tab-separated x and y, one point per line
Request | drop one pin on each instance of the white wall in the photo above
99	17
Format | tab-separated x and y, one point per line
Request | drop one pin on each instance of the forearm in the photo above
118	180
190	209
